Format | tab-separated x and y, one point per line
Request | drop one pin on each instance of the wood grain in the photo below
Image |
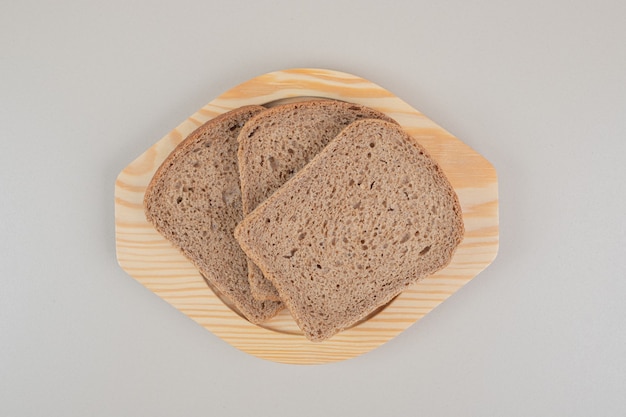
152	261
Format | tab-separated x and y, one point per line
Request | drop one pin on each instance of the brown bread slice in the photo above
367	217
194	200
276	144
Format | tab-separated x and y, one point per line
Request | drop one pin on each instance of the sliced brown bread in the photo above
194	200
370	215
276	144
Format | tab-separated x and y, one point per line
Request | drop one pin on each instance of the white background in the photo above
537	87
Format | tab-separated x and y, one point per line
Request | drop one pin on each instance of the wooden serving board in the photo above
154	262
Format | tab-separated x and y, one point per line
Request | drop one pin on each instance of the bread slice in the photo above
370	215
276	144
194	201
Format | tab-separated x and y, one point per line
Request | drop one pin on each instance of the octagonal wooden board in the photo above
156	264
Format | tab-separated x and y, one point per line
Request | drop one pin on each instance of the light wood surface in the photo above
151	260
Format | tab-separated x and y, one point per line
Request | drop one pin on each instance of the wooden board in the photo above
151	260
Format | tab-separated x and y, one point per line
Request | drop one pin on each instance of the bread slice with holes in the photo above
277	143
194	201
370	215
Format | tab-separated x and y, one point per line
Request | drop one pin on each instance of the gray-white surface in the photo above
538	87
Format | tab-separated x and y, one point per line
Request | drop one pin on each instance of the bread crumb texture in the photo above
370	215
276	144
194	201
